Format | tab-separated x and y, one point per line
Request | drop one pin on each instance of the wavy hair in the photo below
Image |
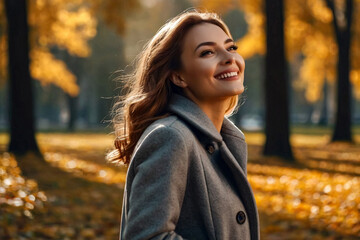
149	87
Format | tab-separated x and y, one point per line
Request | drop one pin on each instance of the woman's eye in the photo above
233	48
206	53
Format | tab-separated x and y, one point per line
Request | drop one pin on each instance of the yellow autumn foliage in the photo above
16	192
355	51
67	25
320	11
114	12
355	79
309	32
215	5
71	31
57	72
253	42
318	199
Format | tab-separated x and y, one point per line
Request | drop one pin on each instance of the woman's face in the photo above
211	70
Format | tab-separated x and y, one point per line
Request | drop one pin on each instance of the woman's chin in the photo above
239	91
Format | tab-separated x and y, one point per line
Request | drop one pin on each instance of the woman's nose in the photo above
228	58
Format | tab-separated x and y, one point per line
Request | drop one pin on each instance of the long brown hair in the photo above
149	86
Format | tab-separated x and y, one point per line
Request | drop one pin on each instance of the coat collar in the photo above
234	149
192	113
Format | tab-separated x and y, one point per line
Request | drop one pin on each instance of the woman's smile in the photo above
228	75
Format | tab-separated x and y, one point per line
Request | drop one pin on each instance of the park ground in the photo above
73	193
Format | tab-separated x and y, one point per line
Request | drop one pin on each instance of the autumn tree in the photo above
22	132
61	24
342	22
276	84
42	64
326	33
322	33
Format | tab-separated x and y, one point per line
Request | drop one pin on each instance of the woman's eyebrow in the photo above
212	43
228	40
205	44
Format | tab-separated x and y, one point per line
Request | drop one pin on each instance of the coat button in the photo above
240	217
210	148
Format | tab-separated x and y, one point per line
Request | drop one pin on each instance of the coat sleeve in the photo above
158	185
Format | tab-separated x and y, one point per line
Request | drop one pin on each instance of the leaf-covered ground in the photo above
72	193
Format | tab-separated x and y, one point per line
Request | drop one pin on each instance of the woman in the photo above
187	162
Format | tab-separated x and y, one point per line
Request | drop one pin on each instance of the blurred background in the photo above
76	50
302	81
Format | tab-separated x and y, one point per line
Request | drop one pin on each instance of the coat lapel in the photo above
235	142
234	153
244	189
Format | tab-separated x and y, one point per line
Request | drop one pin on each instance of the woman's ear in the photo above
178	80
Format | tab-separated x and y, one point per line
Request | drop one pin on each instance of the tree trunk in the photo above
276	84
323	120
72	101
22	124
76	68
342	130
342	29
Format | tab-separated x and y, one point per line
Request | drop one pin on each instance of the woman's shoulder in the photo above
166	136
169	127
170	131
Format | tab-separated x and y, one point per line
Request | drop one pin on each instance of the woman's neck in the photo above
215	111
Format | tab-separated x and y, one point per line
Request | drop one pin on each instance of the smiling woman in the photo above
212	72
187	162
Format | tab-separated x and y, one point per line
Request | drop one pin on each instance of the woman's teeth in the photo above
227	75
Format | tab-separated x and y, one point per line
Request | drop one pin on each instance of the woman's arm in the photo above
158	186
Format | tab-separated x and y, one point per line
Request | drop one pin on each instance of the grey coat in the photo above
188	181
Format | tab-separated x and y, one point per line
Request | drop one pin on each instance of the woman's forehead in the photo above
205	32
